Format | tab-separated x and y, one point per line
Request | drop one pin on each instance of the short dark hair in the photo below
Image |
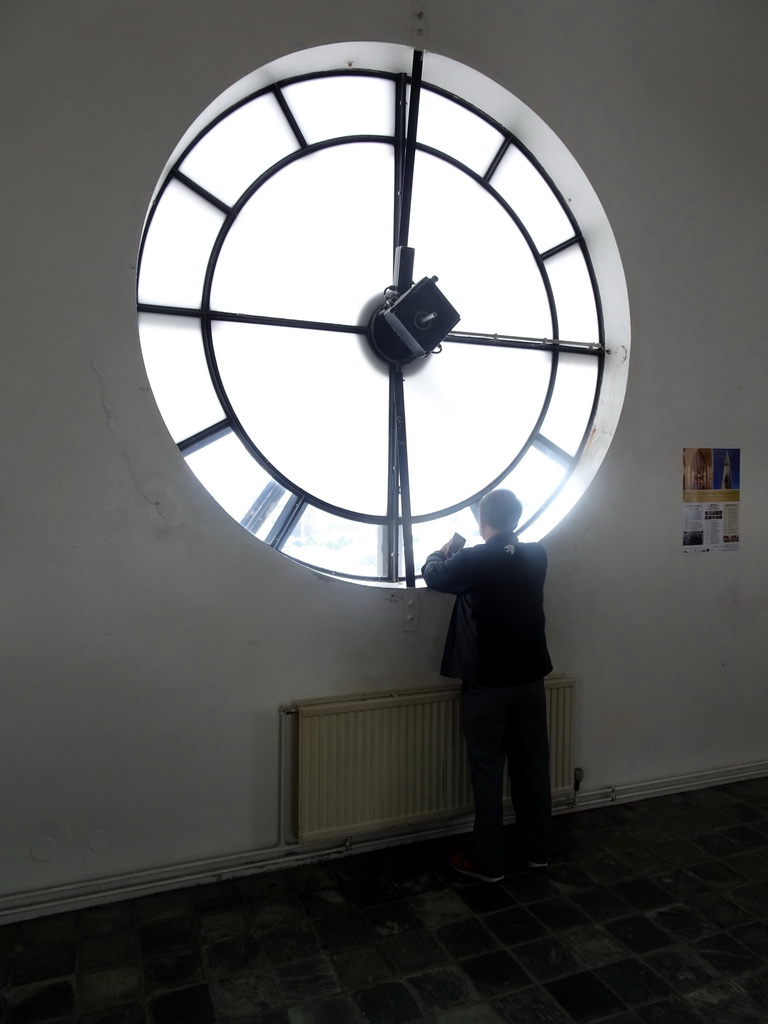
501	510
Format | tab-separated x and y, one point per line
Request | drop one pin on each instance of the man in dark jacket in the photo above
497	646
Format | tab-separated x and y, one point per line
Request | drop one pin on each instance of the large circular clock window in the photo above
373	286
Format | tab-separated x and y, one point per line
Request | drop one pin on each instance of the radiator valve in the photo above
578	777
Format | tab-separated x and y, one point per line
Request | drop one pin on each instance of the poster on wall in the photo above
711	481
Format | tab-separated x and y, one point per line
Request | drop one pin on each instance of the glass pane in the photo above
453	129
469	411
572	400
483	264
533	480
329	108
172	347
520	184
429	537
338	545
178	244
574	297
231	474
315	241
239	148
316	404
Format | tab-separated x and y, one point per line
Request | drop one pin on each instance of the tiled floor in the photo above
652	913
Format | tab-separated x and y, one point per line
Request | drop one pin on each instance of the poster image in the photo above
711	494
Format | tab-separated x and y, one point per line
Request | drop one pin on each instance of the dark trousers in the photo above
508	723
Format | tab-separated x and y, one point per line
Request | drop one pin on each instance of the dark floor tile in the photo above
529	886
223	924
514	926
275	914
716	844
239	998
109	987
680	851
343	930
113	917
478	1013
129	1013
234	956
530	1006
756	988
8	933
33	1003
438	908
495	972
361	966
681	968
753	935
216	896
295	943
559	913
602	904
387	1003
585	997
163	906
393	919
373	893
725	1003
412	882
721	911
325	902
747	837
593	945
463	938
644	860
414	951
546	959
752	897
607	870
715	873
182	969
644	894
190	1005
442	988
166	935
484	899
634	982
569	877
334	1010
682	922
750	865
42	964
56	930
638	934
725	955
109	949
305	980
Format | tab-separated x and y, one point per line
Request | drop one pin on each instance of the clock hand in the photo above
403	261
400	486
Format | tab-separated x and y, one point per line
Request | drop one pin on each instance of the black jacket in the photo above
496	635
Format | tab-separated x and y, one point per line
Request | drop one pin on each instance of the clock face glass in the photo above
267	264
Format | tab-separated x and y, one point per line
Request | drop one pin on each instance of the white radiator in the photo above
381	760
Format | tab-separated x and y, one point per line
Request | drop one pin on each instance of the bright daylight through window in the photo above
303	256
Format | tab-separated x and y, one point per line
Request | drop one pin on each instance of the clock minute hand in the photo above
403	262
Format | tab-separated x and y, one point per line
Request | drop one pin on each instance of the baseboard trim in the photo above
79	895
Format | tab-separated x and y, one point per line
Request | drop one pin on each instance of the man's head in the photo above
499	512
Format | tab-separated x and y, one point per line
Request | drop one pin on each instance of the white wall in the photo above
147	641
